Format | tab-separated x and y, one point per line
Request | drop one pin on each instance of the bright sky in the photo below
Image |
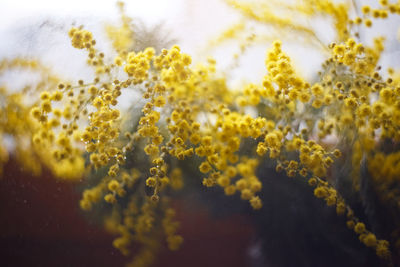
151	10
192	21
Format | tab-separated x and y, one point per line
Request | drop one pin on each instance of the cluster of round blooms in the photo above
137	65
188	114
80	38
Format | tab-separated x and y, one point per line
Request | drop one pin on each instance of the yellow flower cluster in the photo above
368	238
138	65
350	81
173	65
81	38
30	137
122	37
188	114
281	72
